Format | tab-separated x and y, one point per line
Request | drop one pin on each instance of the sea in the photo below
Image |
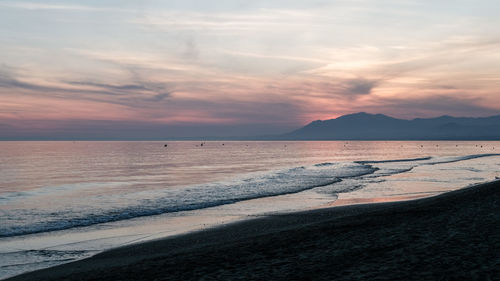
63	201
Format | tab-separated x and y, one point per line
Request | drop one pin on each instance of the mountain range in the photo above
365	126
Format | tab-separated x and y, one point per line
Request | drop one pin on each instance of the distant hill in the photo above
365	126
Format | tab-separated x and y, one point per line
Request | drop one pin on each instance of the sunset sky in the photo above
235	68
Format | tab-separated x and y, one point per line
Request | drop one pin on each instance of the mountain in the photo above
365	126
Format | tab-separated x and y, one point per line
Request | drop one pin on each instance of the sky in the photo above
152	69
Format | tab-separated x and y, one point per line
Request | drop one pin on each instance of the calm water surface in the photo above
61	201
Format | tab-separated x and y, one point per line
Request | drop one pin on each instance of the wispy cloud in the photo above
110	86
276	57
9	81
264	18
45	6
360	86
123	94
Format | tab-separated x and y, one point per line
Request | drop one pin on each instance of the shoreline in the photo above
447	236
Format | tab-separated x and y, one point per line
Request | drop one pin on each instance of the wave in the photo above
393	161
460	158
124	206
324	164
86	210
9	197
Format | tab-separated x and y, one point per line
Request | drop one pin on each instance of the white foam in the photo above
114	207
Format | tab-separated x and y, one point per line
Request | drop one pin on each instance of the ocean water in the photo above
62	201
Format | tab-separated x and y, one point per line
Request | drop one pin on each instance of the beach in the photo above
452	236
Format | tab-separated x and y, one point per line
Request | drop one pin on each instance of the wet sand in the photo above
452	236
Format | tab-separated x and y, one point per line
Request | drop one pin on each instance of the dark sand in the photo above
453	236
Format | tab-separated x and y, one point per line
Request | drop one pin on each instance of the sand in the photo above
453	236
